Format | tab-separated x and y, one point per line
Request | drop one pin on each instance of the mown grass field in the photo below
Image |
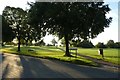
111	55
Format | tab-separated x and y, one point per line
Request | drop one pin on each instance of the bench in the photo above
75	49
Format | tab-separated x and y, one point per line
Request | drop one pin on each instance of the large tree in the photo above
18	20
71	19
15	18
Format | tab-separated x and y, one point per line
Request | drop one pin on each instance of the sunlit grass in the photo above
110	55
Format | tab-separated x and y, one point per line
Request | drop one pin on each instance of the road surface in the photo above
18	66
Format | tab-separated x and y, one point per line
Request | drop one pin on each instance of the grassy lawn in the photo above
110	55
49	53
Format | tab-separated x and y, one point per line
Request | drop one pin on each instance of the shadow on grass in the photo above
75	61
25	49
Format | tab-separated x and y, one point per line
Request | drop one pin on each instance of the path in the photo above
18	66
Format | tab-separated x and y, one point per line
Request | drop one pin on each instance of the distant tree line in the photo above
110	44
89	44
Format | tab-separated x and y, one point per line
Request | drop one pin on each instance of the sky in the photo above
109	33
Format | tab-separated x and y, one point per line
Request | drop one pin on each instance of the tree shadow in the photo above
92	72
1	58
33	68
41	70
5	72
44	68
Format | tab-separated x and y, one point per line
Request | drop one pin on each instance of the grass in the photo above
49	53
110	55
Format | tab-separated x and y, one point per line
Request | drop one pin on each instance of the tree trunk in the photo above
67	45
18	37
26	42
2	44
18	43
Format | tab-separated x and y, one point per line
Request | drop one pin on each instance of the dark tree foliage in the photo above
101	45
110	44
70	19
75	43
30	33
7	33
117	45
86	44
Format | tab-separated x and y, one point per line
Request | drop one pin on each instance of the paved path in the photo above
15	66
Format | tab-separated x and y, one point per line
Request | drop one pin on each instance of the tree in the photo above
110	44
18	20
117	44
86	44
100	45
71	19
7	33
15	18
54	41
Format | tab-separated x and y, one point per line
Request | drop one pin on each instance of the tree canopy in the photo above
110	44
70	19
7	33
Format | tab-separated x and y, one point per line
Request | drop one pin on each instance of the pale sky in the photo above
109	33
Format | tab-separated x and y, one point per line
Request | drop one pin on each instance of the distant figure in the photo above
100	51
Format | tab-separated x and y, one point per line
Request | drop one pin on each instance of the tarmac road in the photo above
18	66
